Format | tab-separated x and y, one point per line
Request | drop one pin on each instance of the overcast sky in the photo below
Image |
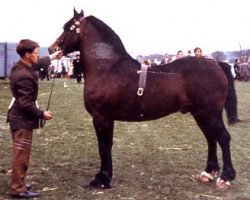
145	26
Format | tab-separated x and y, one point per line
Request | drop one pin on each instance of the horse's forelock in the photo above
68	24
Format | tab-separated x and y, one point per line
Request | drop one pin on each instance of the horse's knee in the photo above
224	137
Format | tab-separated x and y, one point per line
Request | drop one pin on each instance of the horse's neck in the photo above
100	52
100	55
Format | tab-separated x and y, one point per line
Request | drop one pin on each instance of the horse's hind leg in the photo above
228	173
212	167
212	125
104	131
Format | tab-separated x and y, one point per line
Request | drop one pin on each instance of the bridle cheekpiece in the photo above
76	25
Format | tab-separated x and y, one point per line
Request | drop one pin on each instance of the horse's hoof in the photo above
207	177
231	123
221	184
98	187
97	184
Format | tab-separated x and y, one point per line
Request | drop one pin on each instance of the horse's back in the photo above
204	81
184	85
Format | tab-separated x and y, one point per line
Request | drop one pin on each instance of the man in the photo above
77	69
197	52
178	55
24	114
166	59
44	73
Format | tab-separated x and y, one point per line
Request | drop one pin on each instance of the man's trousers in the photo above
22	140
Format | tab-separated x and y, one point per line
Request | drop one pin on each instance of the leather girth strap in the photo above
142	79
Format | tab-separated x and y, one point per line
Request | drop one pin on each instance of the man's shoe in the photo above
26	195
28	186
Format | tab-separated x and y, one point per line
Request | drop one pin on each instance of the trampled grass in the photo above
152	160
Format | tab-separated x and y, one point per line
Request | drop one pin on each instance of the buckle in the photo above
140	91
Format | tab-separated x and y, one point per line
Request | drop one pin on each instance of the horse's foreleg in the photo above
104	131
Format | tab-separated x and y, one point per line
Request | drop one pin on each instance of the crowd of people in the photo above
167	58
240	70
71	70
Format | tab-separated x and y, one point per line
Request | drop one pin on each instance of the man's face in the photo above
180	54
198	53
34	56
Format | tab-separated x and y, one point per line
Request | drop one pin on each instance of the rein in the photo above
43	121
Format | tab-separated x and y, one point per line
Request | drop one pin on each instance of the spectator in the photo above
178	55
52	71
166	59
44	73
237	69
198	52
64	71
77	69
70	70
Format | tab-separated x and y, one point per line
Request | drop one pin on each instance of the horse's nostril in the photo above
57	49
52	50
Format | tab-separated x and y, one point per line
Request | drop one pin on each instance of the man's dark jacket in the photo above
24	114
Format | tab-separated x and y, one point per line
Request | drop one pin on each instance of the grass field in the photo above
152	160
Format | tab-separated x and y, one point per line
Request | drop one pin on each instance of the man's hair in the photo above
25	46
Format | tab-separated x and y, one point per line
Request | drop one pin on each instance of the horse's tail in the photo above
231	99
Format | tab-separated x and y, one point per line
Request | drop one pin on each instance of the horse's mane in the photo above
107	34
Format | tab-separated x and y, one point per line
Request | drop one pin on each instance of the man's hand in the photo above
47	115
56	55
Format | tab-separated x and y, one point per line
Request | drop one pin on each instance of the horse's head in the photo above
68	41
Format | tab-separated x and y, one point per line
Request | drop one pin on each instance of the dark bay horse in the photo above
195	85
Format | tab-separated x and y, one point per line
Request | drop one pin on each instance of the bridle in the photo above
74	27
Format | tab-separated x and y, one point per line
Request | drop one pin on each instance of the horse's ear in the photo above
75	12
82	13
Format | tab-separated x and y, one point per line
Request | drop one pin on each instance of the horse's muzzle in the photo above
52	50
